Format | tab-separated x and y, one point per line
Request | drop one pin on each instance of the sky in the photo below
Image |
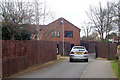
74	10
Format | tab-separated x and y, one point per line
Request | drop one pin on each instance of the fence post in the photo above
96	51
108	51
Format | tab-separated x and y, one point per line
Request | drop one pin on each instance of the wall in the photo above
57	25
18	55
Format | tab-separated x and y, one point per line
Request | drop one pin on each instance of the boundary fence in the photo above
18	55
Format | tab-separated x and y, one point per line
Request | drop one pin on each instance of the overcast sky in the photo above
74	10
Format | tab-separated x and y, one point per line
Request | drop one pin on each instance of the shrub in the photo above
118	47
116	56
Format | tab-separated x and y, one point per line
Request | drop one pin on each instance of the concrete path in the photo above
99	69
63	69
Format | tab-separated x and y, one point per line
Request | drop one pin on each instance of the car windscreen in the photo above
79	48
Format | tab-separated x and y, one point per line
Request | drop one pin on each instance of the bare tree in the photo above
119	16
119	20
96	15
116	13
13	14
16	13
102	19
94	35
87	28
44	12
42	16
109	18
37	13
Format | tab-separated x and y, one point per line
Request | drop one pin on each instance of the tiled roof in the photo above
32	28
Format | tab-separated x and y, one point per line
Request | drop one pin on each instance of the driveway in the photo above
62	69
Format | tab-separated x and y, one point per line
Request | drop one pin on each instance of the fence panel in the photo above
18	55
90	45
106	50
112	50
67	48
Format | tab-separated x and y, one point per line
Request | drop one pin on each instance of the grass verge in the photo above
115	67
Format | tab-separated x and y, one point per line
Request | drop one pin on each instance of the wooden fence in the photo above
67	48
18	55
90	45
106	50
0	59
102	50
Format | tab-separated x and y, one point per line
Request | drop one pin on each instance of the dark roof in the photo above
32	27
65	20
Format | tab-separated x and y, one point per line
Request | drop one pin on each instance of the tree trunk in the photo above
119	28
12	36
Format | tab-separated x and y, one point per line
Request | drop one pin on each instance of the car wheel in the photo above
86	60
71	60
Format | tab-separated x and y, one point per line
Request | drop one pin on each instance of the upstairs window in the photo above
55	33
68	33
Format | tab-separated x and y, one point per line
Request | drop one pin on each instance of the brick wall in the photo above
57	25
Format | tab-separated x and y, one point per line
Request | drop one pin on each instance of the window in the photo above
68	33
55	33
78	48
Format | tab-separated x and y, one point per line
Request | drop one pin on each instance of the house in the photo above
54	32
115	39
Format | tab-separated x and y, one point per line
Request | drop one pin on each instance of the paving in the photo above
99	69
65	69
62	69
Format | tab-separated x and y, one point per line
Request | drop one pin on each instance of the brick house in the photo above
54	32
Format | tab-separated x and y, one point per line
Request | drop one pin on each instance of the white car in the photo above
79	52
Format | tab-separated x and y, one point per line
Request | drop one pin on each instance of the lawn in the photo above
115	67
